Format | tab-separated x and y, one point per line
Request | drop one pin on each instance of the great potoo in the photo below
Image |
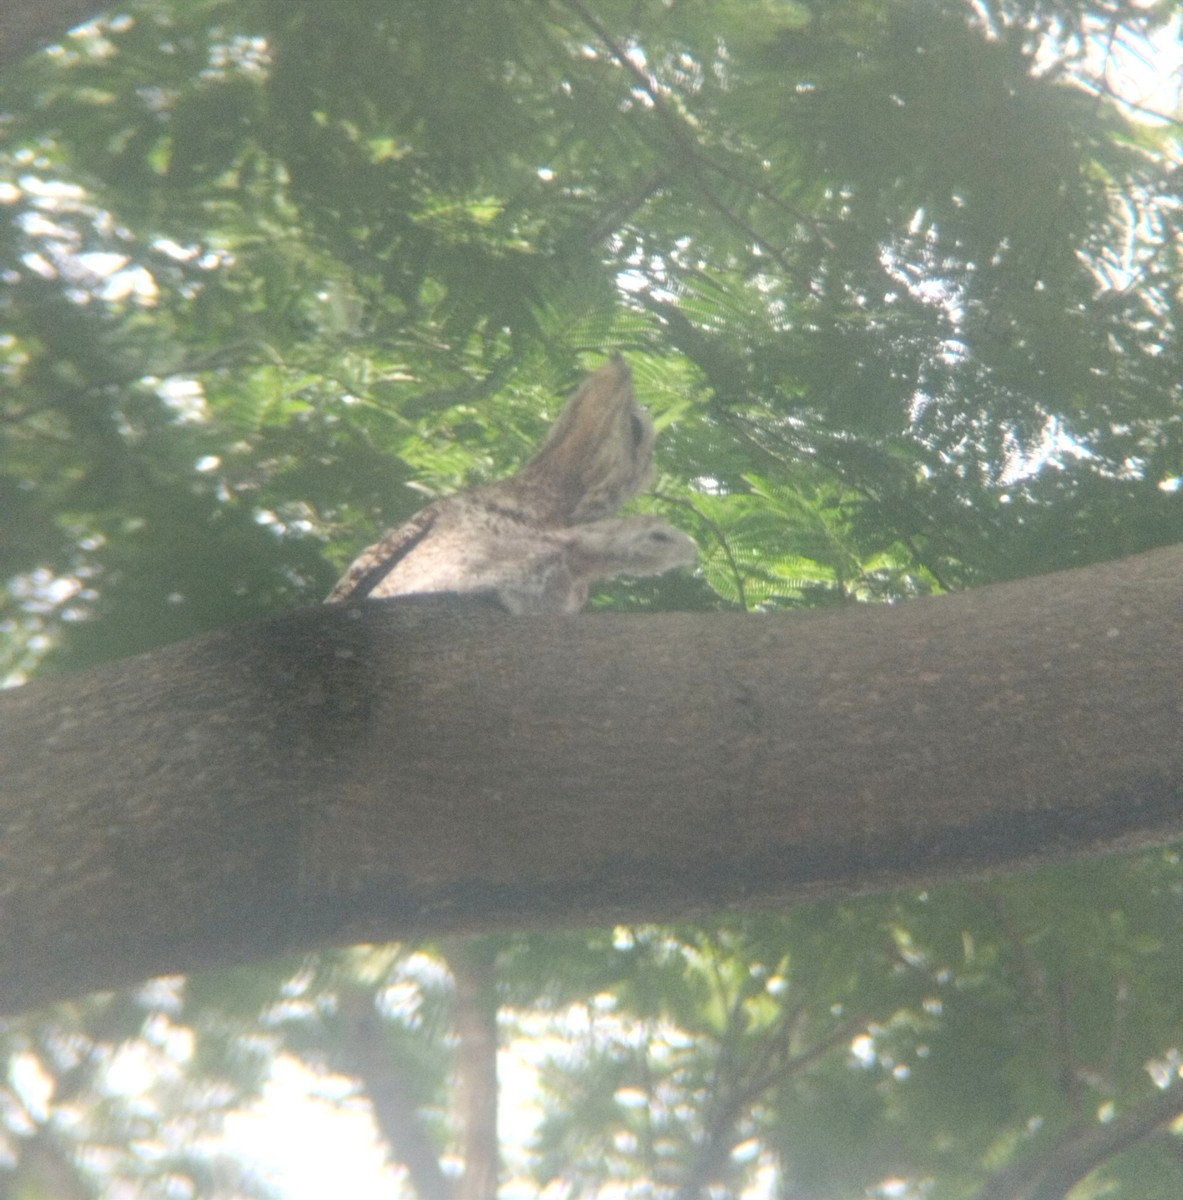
539	539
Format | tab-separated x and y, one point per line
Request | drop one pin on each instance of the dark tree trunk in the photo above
472	962
367	1054
344	774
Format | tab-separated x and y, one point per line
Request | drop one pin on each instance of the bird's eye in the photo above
638	427
661	535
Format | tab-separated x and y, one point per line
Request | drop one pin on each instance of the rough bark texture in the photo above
351	773
30	25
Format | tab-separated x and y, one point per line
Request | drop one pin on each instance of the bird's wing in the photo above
374	563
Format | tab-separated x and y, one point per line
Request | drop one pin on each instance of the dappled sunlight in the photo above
899	289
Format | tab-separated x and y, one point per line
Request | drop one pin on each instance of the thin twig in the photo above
720	537
692	151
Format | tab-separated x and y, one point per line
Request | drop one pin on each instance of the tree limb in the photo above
1081	1149
472	963
368	1056
365	772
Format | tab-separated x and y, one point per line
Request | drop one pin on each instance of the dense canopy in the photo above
899	283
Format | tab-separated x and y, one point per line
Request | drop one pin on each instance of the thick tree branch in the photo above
351	773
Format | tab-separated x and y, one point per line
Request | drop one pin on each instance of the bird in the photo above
538	541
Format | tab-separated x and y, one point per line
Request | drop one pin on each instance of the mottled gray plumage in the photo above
541	538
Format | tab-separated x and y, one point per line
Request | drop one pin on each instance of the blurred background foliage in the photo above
899	281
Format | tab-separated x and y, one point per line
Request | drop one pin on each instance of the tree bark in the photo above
472	963
367	772
27	26
369	1056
